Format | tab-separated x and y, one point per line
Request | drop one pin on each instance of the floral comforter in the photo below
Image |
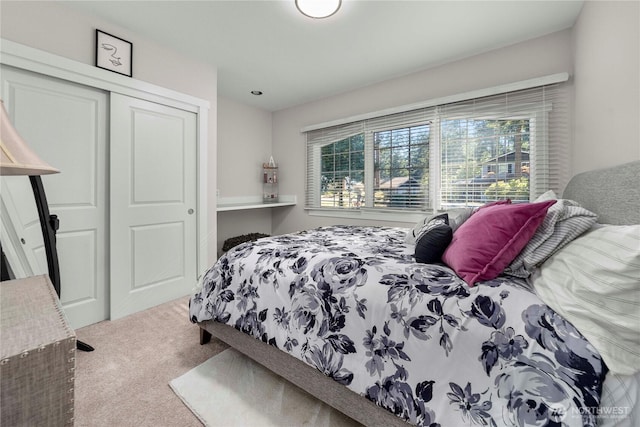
413	338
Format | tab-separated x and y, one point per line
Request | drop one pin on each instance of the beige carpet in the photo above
124	382
231	390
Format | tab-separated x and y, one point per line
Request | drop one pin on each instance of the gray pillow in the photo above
456	218
565	221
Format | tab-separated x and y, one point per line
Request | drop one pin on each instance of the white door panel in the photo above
22	227
66	124
153	201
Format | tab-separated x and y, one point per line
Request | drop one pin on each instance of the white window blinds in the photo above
513	145
510	145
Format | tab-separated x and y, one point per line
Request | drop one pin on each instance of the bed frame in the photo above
612	193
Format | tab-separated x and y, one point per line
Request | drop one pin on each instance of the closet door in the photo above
65	124
153	201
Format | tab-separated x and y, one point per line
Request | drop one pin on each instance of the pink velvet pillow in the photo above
491	238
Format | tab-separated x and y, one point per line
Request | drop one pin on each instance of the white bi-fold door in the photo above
125	197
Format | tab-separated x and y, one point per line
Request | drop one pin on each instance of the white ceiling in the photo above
267	45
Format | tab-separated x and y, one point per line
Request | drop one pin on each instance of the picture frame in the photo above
114	54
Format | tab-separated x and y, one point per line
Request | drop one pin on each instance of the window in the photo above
401	167
466	153
484	160
342	179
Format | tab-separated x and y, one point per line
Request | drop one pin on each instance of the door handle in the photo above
190	211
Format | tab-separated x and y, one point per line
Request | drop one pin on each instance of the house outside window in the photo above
436	158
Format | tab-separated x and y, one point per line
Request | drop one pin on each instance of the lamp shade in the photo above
16	157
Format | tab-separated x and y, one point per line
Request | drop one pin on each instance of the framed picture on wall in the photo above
113	53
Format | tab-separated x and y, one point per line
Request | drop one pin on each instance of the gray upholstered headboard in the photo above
612	193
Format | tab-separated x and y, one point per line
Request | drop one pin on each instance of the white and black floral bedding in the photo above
413	338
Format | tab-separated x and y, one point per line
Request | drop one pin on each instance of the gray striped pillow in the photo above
564	221
594	282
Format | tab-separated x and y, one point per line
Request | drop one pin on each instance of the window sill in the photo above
390	215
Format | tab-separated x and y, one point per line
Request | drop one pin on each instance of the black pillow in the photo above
433	240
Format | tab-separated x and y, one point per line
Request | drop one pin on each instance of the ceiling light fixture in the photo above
256	92
318	9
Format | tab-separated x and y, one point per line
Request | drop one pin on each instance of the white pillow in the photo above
594	282
548	195
620	401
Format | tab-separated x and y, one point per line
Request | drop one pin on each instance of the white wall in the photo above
53	27
244	143
607	85
543	56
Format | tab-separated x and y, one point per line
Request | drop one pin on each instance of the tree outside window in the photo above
484	160
342	178
401	167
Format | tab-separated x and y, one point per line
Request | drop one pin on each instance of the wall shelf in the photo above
226	204
270	182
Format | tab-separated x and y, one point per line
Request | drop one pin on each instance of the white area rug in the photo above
231	390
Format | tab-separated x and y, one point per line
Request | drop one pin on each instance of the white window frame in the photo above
539	150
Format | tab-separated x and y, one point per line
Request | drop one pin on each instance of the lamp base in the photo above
83	346
49	224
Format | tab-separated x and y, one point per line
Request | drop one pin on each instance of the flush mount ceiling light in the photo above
318	8
256	92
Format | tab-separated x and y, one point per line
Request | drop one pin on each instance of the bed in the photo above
348	314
